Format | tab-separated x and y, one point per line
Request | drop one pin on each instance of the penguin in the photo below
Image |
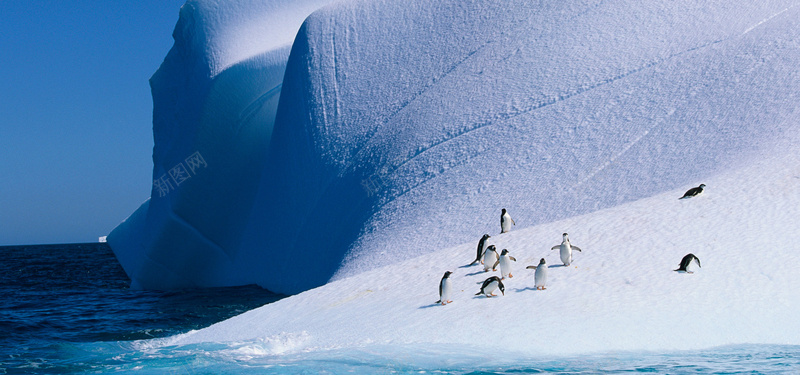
481	249
693	191
540	277
505	264
490	285
505	221
445	289
686	261
490	259
566	250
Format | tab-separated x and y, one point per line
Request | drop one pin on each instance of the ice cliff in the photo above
403	127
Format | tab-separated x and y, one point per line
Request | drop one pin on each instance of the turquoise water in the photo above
244	358
67	309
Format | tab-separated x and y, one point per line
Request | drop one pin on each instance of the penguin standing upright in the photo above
693	192
482	243
566	250
686	262
490	285
505	221
505	264
445	289
490	259
540	277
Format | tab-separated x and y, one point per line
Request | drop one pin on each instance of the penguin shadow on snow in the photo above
520	290
481	272
432	305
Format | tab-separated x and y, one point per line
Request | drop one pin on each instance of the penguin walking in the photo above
540	277
686	261
505	221
445	289
481	249
490	285
566	249
490	259
505	264
693	192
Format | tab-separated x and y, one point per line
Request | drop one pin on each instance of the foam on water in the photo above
260	357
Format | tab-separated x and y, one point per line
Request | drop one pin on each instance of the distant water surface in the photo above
57	296
67	309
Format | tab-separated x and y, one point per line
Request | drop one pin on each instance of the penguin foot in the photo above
510	275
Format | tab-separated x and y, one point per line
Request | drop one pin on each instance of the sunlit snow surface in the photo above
620	293
402	127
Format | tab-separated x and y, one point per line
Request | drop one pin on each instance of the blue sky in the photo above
76	114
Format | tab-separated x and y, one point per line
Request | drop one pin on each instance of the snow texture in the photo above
620	293
403	127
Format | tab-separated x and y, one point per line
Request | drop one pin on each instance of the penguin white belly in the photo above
446	290
540	277
566	254
505	266
490	288
489	259
505	225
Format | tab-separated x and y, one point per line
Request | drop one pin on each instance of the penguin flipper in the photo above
512	258
575	248
494	267
530	267
698	261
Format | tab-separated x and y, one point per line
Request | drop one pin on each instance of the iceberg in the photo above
298	144
214	103
619	294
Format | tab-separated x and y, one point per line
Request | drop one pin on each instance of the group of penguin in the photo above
487	255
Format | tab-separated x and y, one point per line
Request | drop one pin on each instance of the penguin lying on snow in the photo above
490	285
481	249
445	289
686	261
693	192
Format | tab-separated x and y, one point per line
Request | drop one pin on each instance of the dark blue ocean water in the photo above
67	309
55	297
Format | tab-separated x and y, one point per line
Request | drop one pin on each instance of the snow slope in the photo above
621	292
403	127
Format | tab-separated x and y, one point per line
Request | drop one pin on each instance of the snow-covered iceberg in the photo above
403	127
619	294
214	103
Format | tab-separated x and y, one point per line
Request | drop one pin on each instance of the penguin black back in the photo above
488	282
693	191
481	247
686	261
